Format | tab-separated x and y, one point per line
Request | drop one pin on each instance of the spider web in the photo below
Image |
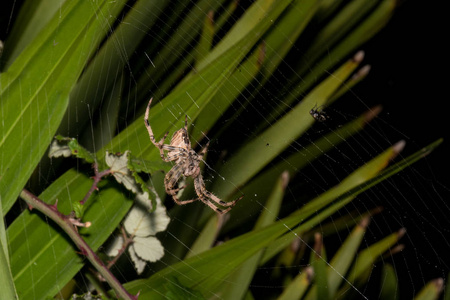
405	81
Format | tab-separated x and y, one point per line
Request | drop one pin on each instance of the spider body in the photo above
317	114
187	163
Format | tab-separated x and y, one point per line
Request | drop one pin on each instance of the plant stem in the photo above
98	176
126	242
66	223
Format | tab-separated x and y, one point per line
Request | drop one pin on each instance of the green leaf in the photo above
256	16
359	181
258	187
129	33
207	277
34	90
8	288
298	287
42	254
319	265
32	18
206	37
431	290
117	205
373	23
177	43
230	90
341	261
367	257
176	291
64	146
193	271
207	236
277	137
389	286
237	283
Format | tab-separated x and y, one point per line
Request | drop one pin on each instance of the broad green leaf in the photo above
32	18
114	53
205	239
224	98
177	43
34	90
174	292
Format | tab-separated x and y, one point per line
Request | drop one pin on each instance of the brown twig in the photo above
126	242
69	224
97	177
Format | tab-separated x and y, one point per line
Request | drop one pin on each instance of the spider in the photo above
317	114
187	163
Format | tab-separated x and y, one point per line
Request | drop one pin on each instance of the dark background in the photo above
409	59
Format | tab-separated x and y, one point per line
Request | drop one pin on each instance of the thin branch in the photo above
97	177
126	242
69	225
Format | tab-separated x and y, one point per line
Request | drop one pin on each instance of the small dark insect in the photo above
318	114
187	163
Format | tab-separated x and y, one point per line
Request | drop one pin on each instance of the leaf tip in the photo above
364	222
372	113
438	283
401	232
284	179
398	147
358	57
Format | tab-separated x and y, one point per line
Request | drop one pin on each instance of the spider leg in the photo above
204	150
147	124
206	196
170	180
160	145
182	202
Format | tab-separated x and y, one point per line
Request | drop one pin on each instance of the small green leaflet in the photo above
64	146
